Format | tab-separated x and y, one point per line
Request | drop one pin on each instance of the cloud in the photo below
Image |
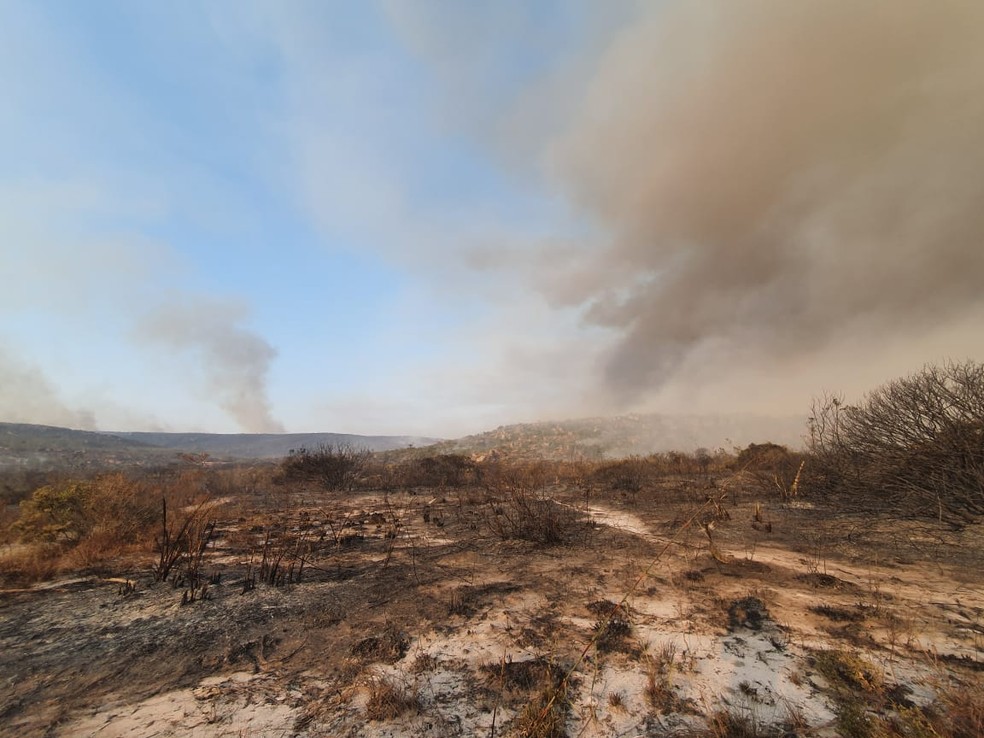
774	178
234	359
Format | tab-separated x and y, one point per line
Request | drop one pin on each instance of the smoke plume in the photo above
235	360
774	176
26	396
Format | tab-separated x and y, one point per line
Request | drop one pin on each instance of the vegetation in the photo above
359	570
111	508
915	446
334	467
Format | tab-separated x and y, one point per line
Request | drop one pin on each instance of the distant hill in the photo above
626	435
267	445
18	437
23	445
47	447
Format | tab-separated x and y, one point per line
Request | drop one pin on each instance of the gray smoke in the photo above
26	396
774	176
235	361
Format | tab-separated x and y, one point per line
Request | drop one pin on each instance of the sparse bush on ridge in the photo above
915	445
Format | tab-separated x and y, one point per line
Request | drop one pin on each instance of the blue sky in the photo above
436	217
303	162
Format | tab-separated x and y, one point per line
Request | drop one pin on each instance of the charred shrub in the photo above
443	470
333	466
520	507
914	446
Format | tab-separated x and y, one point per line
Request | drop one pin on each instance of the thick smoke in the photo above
775	176
235	360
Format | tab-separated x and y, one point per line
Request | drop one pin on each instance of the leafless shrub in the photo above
334	467
442	471
519	511
183	538
627	475
915	445
283	558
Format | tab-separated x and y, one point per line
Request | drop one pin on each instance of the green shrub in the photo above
56	513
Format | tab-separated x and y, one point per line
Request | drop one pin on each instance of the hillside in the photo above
24	445
627	435
267	445
39	446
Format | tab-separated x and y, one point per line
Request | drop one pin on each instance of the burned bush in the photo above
914	446
333	466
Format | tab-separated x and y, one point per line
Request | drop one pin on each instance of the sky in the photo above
435	217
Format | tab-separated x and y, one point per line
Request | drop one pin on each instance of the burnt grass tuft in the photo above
747	612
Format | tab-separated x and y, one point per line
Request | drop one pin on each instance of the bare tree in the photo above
916	443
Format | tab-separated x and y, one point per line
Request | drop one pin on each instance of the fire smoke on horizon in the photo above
235	360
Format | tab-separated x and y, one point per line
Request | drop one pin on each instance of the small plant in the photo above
610	632
734	724
388	647
545	716
747	612
848	673
389	700
659	691
184	542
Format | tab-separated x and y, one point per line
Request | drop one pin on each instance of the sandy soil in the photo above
416	594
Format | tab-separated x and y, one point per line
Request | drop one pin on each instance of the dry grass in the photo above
659	691
735	724
389	700
847	673
545	716
24	564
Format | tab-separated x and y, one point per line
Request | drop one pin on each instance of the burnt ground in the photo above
415	615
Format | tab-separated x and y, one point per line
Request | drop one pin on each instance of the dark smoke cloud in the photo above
774	176
235	360
26	396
